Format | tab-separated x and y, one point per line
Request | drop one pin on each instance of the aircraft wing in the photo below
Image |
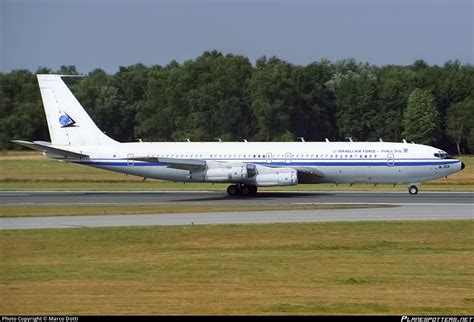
182	164
48	148
196	164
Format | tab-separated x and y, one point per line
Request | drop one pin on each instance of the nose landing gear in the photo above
413	190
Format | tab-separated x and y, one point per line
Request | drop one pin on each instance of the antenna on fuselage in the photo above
380	139
327	140
188	140
219	139
301	138
349	138
404	141
245	140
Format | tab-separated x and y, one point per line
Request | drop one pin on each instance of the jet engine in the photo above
279	177
249	174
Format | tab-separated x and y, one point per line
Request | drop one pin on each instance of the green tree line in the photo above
227	97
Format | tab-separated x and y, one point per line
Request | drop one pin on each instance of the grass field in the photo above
401	268
31	171
392	268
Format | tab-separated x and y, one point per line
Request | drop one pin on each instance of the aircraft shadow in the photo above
260	196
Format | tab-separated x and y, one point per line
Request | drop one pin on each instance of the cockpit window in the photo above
443	155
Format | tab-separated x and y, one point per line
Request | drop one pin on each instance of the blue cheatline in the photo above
283	164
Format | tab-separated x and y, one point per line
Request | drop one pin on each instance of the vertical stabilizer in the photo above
68	122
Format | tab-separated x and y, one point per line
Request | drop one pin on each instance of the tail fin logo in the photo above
66	121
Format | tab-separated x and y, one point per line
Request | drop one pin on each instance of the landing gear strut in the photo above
239	189
413	190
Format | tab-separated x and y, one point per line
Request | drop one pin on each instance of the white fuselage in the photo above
336	162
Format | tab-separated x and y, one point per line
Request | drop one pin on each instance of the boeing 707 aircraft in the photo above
244	165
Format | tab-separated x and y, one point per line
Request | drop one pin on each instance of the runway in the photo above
401	212
212	197
425	206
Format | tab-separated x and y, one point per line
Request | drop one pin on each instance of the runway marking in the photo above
387	204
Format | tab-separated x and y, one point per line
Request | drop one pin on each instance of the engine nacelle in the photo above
237	173
250	174
279	177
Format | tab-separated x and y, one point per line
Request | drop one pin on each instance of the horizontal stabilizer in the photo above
183	164
47	148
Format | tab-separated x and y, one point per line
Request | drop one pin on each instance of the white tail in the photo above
68	122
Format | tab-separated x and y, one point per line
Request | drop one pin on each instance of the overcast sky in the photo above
107	34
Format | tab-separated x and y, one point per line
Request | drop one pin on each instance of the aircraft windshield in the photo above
443	155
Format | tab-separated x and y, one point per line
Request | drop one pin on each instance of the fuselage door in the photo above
130	161
390	160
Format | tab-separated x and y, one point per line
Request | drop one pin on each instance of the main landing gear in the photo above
413	190
240	189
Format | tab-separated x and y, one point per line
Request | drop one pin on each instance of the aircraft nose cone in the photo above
462	165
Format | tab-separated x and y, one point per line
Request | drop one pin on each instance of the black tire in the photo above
413	190
245	190
232	190
253	190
